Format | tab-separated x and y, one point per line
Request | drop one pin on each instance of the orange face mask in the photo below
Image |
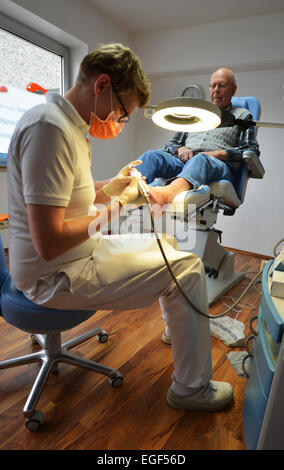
107	129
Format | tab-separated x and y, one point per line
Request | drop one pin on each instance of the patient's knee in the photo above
200	156
149	154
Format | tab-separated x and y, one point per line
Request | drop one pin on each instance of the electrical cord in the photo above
255	333
248	356
237	310
144	191
276	246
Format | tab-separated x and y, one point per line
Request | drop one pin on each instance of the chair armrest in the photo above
256	169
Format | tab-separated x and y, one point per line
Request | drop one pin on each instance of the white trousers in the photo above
128	272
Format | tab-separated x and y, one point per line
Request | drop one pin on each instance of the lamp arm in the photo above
149	111
269	124
246	124
229	120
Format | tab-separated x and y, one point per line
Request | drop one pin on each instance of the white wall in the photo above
244	44
253	49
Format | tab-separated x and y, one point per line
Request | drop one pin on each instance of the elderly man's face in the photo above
221	89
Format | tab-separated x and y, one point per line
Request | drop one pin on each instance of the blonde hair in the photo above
123	67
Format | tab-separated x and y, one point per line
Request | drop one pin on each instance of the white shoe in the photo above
166	339
213	396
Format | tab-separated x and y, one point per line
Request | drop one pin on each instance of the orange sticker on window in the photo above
35	88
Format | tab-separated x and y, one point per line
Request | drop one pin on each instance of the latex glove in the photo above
121	180
131	194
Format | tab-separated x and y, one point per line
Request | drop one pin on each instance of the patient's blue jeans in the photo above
201	169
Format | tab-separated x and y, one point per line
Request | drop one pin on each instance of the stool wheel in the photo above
103	337
116	380
35	421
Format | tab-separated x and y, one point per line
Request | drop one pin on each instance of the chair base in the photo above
216	288
50	355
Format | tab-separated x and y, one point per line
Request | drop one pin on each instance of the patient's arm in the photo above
185	154
178	140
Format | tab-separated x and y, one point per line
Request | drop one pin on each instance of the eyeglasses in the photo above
220	85
125	117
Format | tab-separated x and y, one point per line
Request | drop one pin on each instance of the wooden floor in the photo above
83	411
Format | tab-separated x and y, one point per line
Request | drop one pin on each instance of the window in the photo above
23	62
30	62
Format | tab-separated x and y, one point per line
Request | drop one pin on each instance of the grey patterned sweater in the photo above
232	139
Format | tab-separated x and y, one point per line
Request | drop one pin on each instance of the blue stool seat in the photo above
25	315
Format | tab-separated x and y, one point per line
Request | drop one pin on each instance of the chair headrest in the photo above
248	102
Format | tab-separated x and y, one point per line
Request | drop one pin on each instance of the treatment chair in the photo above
45	325
207	202
191	216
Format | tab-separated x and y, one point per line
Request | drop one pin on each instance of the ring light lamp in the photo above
185	114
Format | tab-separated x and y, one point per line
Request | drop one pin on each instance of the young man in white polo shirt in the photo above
53	259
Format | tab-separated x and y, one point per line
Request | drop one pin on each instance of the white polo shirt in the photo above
48	163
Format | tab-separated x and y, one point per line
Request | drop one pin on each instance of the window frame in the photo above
35	37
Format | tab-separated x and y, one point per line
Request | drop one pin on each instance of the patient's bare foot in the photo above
159	199
163	195
159	195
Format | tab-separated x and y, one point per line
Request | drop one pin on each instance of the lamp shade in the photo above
186	115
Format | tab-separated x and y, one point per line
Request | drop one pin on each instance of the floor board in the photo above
84	412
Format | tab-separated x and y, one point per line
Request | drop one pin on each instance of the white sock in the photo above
167	332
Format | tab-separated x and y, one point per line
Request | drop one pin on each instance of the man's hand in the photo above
184	154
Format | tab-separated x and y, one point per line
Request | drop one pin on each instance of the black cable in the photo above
243	365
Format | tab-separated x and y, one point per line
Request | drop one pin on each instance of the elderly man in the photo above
201	157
